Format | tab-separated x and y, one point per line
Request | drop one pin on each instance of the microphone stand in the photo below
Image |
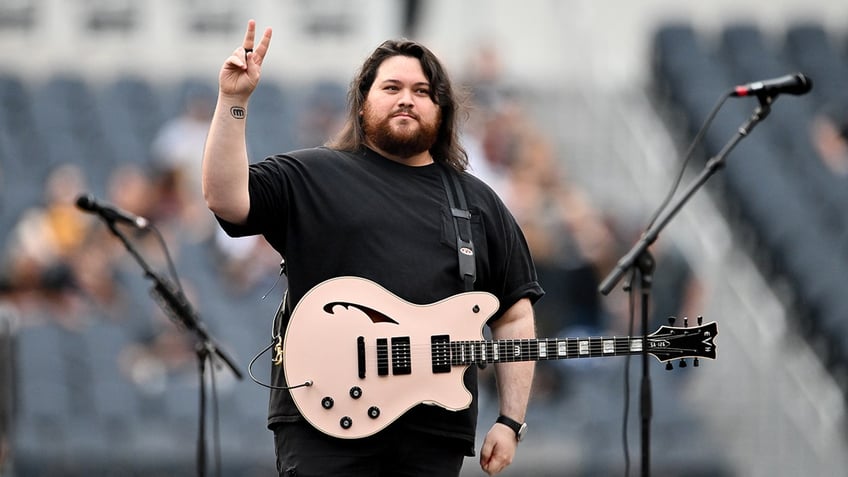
640	260
174	302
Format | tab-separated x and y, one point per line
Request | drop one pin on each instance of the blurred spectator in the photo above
55	229
829	133
177	153
43	244
130	188
322	114
410	17
569	238
676	290
486	79
496	118
245	262
166	355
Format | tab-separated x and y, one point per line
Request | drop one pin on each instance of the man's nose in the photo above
405	98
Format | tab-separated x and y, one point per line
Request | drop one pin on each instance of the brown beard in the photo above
405	144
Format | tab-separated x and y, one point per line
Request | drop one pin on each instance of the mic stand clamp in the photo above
640	258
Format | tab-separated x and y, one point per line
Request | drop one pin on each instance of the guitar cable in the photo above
274	342
277	343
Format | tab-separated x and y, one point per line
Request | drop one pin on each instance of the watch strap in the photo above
516	426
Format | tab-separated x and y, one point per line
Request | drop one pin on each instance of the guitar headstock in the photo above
671	342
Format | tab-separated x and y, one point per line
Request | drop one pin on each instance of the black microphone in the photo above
796	84
88	203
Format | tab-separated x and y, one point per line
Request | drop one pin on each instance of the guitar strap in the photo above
462	226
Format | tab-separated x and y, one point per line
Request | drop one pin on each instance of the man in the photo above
373	204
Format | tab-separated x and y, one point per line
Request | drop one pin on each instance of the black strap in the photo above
462	226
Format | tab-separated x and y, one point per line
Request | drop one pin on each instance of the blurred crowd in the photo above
65	267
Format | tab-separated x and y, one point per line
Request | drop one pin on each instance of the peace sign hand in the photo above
241	71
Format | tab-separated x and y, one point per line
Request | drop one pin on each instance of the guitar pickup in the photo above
440	350
401	356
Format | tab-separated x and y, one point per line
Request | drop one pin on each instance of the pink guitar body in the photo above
349	337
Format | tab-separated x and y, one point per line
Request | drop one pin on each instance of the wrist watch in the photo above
519	428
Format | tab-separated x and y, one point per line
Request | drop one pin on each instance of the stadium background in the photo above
611	91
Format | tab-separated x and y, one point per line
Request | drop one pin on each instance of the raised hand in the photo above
241	71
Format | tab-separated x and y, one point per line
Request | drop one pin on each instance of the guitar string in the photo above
594	347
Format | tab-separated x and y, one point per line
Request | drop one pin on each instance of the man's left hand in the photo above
498	449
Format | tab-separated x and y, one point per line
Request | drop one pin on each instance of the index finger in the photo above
262	48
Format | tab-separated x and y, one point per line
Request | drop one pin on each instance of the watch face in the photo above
521	431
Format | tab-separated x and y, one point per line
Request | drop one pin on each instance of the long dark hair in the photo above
447	148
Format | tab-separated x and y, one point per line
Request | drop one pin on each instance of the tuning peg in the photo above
682	364
696	362
671	320
669	366
686	322
700	320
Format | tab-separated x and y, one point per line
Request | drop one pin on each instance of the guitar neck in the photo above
457	353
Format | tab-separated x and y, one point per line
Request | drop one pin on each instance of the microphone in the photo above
88	203
796	84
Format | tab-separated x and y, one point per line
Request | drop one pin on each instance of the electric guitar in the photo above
357	357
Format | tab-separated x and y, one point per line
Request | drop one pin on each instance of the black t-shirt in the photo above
333	213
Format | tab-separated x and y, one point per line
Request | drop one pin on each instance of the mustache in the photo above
407	111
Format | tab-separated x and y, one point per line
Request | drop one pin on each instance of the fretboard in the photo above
456	353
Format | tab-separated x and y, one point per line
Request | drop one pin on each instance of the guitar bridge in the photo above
277	359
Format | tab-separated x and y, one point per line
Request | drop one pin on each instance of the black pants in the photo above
303	451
